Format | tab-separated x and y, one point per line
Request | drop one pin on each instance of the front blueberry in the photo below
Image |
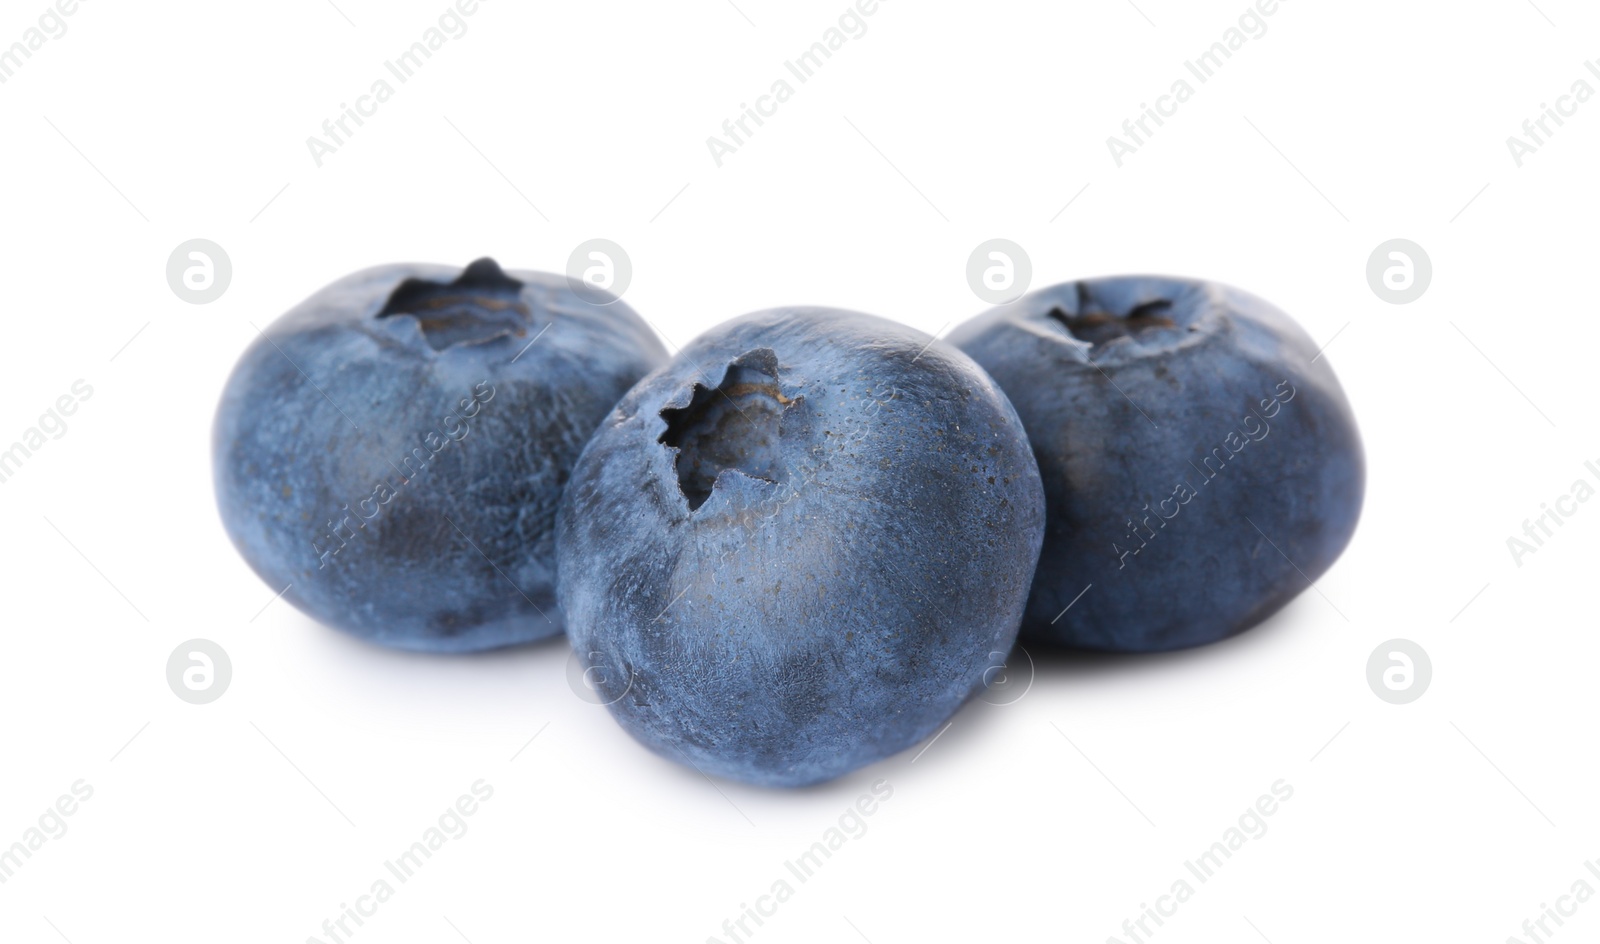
1201	464
393	450
791	551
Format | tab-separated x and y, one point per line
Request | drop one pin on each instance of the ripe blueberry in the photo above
393	450
791	551
1201	464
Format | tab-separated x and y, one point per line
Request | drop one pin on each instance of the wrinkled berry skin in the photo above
393	450
1192	445
795	549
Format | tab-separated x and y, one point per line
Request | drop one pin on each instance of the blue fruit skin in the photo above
1206	571
835	606
461	554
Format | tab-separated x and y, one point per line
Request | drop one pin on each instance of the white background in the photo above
1054	818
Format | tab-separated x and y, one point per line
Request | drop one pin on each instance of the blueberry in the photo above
393	450
796	548
1201	464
